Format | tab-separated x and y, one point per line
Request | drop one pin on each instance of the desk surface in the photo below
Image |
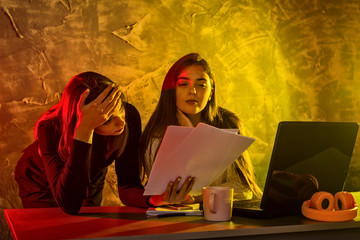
132	223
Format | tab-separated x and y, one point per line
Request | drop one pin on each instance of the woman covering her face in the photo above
187	98
75	141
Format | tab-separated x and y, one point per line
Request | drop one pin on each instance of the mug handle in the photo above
212	202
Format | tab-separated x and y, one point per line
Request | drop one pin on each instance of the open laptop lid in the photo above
307	155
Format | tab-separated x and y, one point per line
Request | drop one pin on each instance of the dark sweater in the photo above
50	181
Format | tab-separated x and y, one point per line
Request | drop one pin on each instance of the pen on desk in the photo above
170	215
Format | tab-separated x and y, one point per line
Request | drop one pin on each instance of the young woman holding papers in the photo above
188	98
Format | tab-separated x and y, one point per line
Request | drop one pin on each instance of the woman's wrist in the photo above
83	134
149	202
156	200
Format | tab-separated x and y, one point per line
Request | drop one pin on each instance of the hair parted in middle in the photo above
165	114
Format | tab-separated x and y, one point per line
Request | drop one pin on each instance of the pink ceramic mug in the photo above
218	202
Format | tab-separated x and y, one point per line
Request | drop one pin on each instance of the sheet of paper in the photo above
172	139
203	152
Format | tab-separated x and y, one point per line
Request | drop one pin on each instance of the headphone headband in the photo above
314	209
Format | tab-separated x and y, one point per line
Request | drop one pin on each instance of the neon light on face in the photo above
193	90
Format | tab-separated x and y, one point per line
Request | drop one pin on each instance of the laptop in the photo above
307	157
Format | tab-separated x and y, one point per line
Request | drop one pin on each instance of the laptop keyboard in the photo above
255	203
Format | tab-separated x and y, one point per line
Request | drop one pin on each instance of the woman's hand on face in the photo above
174	196
95	113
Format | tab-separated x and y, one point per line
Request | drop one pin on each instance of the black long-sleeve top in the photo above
47	180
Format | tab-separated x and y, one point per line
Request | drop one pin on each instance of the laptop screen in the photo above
307	157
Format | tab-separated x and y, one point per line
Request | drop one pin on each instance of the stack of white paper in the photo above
203	152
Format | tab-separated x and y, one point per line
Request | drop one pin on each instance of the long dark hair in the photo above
65	110
165	114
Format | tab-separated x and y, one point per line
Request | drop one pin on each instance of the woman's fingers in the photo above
172	198
111	107
82	99
175	196
106	102
110	97
182	192
102	96
168	190
167	193
185	188
190	185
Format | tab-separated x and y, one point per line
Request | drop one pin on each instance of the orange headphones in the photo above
323	206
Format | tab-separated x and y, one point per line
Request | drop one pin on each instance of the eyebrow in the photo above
198	79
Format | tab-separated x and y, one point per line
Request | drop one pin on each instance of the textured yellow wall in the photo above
273	61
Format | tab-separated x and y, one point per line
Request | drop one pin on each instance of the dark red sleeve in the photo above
68	178
127	166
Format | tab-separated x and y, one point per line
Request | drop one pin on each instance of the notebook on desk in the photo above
306	157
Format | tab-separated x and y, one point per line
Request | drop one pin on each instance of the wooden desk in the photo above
132	223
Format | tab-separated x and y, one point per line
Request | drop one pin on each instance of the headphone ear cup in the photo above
322	201
306	185
344	201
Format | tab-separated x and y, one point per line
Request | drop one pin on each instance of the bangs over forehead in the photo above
184	62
